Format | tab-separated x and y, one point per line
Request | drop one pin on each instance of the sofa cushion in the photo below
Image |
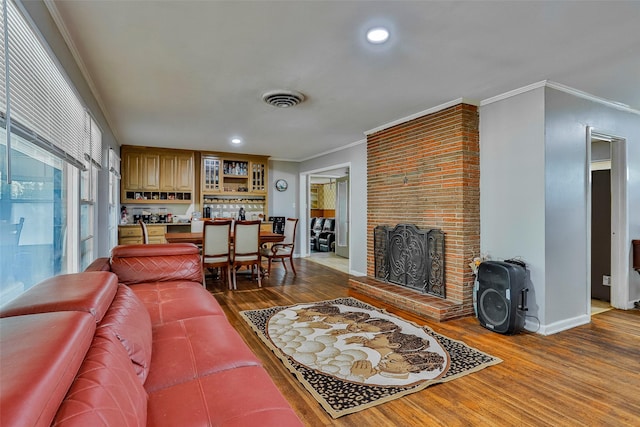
41	354
156	263
243	396
191	348
171	301
106	391
128	320
91	292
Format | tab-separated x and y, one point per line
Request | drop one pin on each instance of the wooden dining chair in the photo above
284	249
197	225
145	232
216	248
246	248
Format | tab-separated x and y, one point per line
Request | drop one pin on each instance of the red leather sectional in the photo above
141	343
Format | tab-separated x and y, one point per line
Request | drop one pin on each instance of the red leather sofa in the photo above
139	342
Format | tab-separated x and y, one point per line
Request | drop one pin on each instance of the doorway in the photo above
600	222
607	220
328	217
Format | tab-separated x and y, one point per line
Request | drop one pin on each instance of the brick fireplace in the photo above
426	172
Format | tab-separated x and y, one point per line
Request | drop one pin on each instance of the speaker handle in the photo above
523	300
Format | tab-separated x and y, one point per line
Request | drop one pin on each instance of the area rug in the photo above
351	356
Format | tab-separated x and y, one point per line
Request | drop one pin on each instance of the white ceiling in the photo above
190	74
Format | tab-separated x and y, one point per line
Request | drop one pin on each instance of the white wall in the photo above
533	186
356	157
283	203
512	216
567	117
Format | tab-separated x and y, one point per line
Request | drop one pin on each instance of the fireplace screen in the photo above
408	256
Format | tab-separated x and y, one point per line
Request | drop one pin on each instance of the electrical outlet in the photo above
606	280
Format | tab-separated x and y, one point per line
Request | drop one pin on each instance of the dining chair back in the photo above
197	225
284	249
246	248
145	232
216	248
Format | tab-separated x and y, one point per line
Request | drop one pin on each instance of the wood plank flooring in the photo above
586	376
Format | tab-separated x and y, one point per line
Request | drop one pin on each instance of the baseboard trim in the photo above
563	325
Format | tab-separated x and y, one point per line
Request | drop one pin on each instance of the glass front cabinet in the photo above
234	182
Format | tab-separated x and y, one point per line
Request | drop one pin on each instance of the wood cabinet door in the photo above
258	177
168	169
211	174
184	173
132	171
150	172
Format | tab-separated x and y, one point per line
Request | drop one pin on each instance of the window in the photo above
89	191
34	212
114	196
50	153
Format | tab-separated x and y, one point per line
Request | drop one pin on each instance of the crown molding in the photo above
324	153
421	113
563	88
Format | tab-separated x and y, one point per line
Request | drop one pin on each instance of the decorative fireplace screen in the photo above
408	256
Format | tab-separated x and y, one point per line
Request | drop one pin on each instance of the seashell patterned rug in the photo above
351	356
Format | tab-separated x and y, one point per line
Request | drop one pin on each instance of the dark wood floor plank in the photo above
589	375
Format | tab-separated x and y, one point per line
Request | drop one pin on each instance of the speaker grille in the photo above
494	307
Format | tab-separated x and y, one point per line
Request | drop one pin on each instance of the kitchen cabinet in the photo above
176	172
230	181
234	174
132	234
156	175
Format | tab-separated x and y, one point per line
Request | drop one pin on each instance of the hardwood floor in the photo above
586	376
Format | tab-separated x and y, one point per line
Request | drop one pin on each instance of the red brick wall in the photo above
439	155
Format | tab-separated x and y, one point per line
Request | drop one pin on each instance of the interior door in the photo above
342	217
601	234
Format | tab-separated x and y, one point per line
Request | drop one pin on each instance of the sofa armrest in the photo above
100	264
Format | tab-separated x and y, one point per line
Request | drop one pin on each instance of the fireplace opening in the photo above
408	256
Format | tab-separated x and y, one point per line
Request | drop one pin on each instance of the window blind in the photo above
96	141
43	106
3	81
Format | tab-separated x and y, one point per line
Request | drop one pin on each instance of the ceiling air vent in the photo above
283	98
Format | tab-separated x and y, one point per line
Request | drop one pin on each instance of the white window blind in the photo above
44	107
92	142
96	141
3	82
114	163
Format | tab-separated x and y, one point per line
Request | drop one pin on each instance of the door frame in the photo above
339	230
305	205
619	219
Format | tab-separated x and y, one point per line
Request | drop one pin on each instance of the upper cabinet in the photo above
176	172
154	174
140	171
234	174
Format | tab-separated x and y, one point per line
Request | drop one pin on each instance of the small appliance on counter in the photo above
162	215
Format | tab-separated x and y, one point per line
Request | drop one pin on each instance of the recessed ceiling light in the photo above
236	140
378	35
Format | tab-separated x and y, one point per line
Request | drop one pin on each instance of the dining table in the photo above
265	237
196	238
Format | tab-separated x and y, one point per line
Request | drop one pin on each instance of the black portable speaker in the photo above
501	296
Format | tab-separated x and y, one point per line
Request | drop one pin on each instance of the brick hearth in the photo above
406	299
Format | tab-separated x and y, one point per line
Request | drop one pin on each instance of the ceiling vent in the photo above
283	98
